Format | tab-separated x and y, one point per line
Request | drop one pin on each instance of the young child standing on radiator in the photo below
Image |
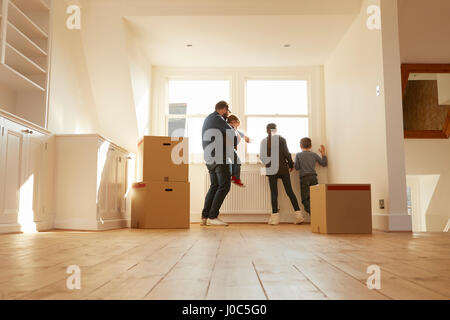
235	122
305	162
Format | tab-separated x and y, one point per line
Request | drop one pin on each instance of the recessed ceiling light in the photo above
189	45
287	46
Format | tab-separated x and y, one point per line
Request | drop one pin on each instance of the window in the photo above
409	199
284	102
190	101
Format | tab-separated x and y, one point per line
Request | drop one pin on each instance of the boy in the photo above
305	161
236	166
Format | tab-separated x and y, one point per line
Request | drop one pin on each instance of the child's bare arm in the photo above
323	151
323	161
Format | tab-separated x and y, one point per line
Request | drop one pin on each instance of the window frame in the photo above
237	77
308	116
168	116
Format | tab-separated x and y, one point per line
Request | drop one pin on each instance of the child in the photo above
305	161
234	122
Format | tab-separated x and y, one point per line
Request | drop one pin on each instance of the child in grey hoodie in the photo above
305	162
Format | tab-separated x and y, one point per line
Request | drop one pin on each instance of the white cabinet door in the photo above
11	163
46	181
32	175
112	185
122	179
107	195
102	175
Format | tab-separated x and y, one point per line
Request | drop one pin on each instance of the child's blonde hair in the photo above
233	118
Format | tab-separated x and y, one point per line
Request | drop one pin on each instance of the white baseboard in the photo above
44	225
76	224
10	228
392	222
113	224
91	224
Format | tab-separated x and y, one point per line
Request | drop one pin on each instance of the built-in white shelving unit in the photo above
24	58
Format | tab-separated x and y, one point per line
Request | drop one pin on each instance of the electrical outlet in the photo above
378	91
382	206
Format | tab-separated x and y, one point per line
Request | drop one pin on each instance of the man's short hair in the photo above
306	143
222	105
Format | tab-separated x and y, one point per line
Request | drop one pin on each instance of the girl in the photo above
274	149
235	122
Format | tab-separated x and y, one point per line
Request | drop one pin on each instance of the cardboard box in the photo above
155	161
341	209
160	205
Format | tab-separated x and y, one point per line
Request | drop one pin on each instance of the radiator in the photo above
253	199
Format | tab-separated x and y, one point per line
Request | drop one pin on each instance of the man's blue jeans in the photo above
220	177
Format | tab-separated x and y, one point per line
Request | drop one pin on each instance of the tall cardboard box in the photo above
160	205
155	161
341	209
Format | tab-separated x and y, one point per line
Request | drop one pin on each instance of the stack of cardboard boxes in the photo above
162	199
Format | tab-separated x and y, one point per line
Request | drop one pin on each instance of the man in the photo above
218	146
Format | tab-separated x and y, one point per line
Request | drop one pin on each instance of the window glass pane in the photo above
188	127
200	96
277	97
194	132
177	127
292	129
178	108
409	195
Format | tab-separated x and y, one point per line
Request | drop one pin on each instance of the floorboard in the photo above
251	262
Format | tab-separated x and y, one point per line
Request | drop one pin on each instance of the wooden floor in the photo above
238	262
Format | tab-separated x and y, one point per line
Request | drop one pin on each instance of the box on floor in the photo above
341	209
160	205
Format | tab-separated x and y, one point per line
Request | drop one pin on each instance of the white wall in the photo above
141	74
398	215
431	158
71	104
104	39
355	116
238	76
356	120
424	27
96	90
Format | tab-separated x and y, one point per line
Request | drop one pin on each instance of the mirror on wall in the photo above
426	103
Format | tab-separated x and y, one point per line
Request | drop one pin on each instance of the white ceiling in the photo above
250	41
